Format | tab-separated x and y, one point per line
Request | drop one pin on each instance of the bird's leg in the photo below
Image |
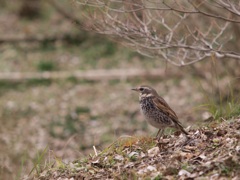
159	134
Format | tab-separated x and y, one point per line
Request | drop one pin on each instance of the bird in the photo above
156	110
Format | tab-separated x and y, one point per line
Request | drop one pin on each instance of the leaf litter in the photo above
210	152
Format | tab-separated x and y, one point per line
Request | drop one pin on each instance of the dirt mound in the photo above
212	152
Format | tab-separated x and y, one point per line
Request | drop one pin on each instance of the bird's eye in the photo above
141	89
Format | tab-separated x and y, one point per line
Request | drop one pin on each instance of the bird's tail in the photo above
185	132
179	126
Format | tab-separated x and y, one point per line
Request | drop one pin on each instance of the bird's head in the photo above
145	91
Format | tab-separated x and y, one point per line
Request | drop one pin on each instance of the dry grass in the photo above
210	153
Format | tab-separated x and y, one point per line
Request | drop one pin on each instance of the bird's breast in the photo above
153	115
147	106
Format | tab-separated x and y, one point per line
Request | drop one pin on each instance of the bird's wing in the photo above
164	107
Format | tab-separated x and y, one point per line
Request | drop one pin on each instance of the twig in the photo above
95	151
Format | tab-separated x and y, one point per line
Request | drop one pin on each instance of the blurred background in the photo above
67	90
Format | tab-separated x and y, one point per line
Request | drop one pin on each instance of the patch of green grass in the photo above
46	66
111	161
47	46
114	81
75	80
63	130
5	86
158	177
221	103
70	124
222	109
80	110
76	39
17	113
39	162
100	49
8	85
24	159
95	52
37	82
72	79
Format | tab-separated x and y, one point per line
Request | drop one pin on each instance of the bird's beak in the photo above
135	89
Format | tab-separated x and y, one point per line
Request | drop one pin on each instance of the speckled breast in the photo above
153	115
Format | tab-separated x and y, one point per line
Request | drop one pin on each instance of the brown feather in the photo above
162	105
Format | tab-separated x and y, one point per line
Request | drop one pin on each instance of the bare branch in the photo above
181	32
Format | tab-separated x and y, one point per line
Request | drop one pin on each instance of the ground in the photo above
209	152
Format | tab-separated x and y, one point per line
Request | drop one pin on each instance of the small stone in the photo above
151	168
119	157
183	172
153	152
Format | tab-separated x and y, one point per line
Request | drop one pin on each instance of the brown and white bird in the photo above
156	110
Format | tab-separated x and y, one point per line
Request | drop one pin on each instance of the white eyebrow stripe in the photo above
149	95
145	95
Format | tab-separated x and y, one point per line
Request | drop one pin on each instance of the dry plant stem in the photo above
95	151
167	29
